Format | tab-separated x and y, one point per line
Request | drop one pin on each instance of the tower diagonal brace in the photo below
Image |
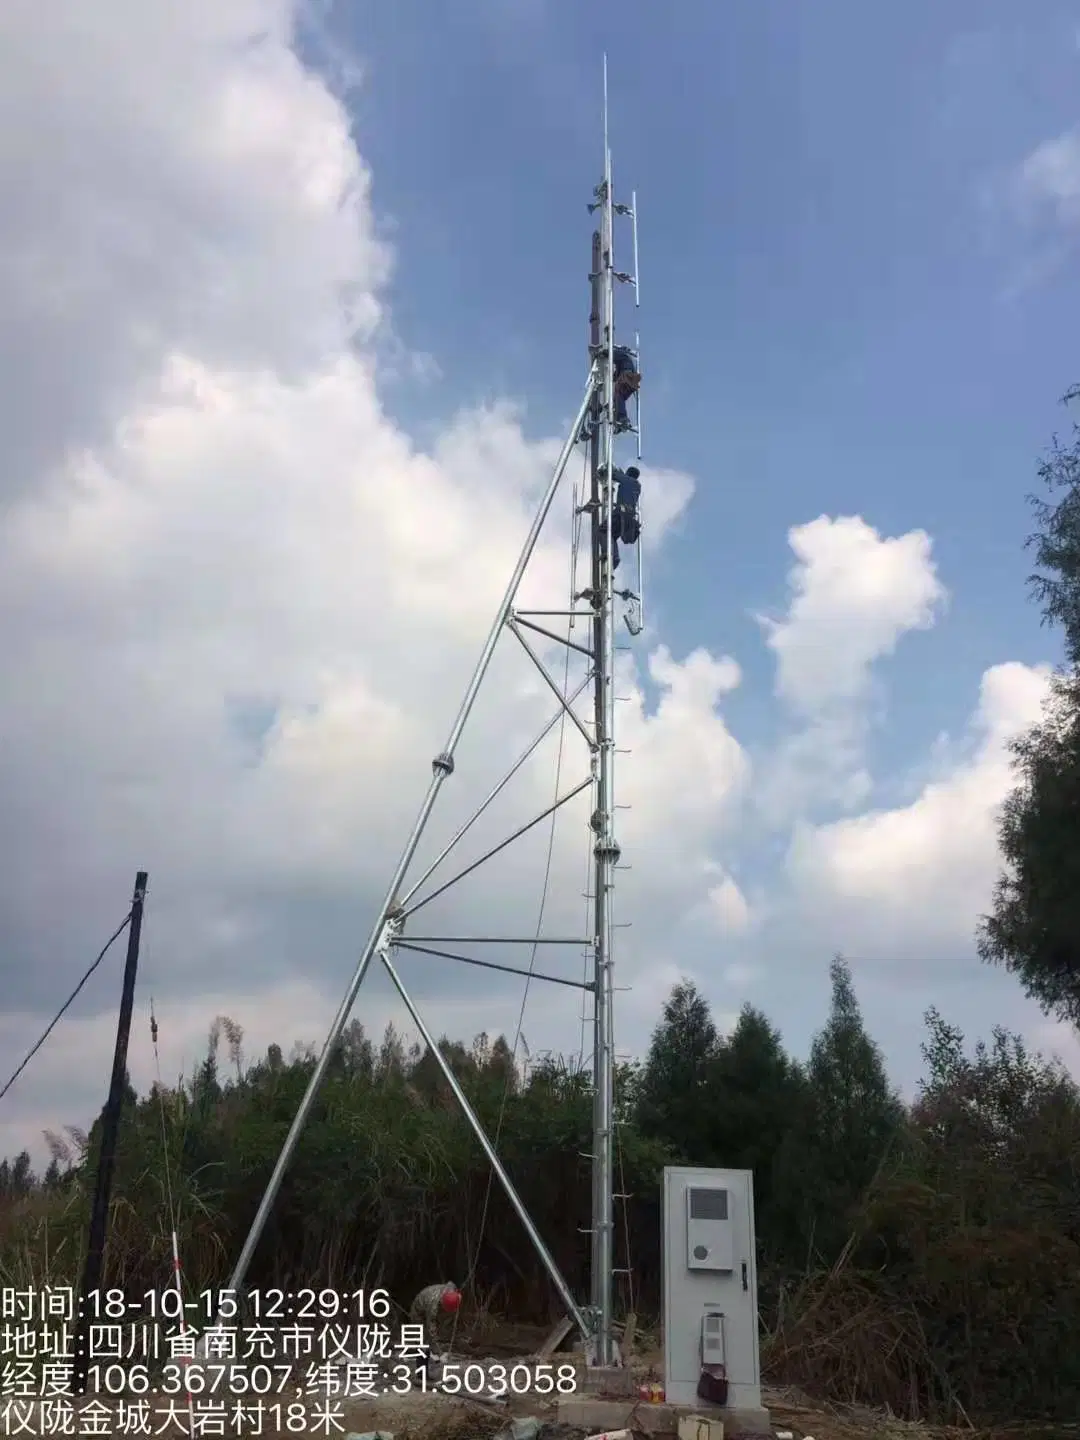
494	965
442	767
496	849
550	683
543	1253
492	794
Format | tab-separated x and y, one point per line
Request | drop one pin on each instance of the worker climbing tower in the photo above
606	512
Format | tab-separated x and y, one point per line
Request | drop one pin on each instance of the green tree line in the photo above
923	1256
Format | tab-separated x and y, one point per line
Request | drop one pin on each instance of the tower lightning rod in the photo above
637	269
605	115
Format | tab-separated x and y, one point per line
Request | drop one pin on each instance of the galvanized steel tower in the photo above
595	428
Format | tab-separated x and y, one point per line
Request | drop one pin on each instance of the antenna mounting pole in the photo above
605	848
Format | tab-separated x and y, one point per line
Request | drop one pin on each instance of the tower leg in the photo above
442	766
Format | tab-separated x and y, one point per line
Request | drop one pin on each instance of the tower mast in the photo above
605	848
594	423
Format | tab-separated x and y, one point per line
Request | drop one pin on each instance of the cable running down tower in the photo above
612	513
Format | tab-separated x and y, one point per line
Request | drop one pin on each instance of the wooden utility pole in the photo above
110	1129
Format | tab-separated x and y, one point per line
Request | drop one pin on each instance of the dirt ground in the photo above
789	1410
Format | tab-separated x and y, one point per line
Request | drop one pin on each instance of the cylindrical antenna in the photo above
575	540
641	580
637	269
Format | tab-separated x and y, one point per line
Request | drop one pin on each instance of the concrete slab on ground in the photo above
593	1413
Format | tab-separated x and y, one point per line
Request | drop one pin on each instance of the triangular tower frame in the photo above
594	426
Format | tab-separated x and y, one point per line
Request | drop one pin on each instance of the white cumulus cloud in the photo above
854	595
1048	181
925	870
238	603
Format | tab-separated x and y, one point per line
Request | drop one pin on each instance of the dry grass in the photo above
805	1417
840	1337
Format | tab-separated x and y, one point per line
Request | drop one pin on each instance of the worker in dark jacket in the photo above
625	521
625	382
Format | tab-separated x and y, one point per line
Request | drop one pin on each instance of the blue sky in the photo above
829	270
839	315
858	230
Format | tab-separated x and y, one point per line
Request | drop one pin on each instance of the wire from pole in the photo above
67	1004
585	955
631	1306
621	1161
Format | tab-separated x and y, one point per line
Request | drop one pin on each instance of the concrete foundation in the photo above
593	1413
609	1382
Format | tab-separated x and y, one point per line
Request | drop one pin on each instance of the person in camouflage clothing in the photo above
434	1308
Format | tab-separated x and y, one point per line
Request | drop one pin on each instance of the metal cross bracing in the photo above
595	429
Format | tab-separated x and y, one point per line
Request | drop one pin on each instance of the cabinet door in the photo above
740	1328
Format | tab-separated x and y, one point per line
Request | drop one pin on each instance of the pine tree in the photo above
672	1104
1033	929
850	1119
755	1091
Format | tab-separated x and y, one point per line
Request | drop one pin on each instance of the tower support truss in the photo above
594	426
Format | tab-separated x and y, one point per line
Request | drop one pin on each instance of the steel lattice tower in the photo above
593	427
